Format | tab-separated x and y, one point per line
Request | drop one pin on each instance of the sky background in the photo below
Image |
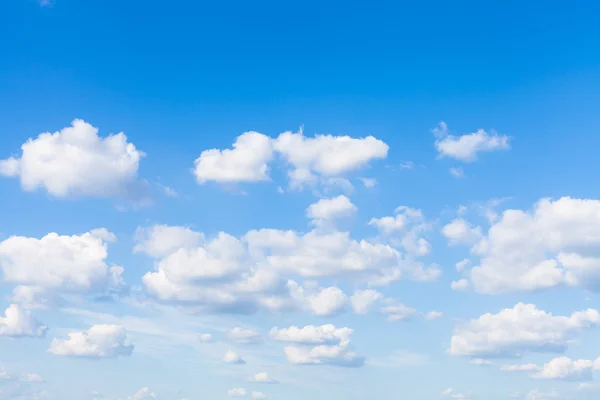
516	83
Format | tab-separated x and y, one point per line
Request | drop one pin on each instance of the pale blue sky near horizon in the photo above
182	77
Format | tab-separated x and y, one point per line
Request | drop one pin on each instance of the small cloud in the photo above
262	377
457	172
369	182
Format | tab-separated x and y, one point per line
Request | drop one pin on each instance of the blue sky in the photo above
273	200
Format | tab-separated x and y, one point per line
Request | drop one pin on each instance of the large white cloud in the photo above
247	161
102	341
560	368
73	263
261	269
20	323
363	300
466	147
76	161
557	243
515	331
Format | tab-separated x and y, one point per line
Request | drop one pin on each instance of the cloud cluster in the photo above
99	341
310	159
260	270
74	263
313	345
556	243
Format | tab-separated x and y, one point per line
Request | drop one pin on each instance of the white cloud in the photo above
405	228
326	156
332	355
466	147
244	336
557	243
258	395
76	161
247	161
369	182
18	322
431	315
560	368
457	172
453	394
97	341
263	377
237	392
312	335
333	208
161	240
332	345
459	231
460	266
514	331
259	270
520	367
206	338
231	357
363	300
460	285
72	263
143	394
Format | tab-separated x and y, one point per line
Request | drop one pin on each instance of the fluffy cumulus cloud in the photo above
556	243
459	231
101	341
258	395
18	322
314	345
514	331
466	147
397	311
247	161
260	270
561	368
76	161
263	377
328	209
74	263
326	156
231	357
322	157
